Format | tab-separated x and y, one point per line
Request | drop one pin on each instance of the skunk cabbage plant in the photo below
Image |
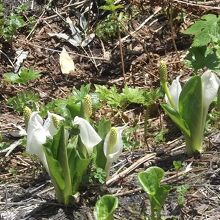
150	181
38	132
65	146
113	146
105	207
60	152
188	106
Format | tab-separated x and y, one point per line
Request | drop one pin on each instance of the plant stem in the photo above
146	117
63	159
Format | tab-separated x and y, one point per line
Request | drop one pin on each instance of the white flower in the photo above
113	146
37	134
210	85
175	90
88	135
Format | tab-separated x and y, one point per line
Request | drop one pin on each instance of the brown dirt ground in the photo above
26	191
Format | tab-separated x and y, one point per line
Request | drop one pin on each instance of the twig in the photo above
140	26
197	5
7	58
170	19
177	175
39	19
131	168
122	56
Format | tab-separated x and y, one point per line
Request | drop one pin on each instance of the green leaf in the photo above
176	118
133	95
150	180
57	106
55	168
23	77
105	207
78	167
191	109
28	75
111	96
103	128
74	109
159	199
22	99
57	159
202	29
11	77
177	165
200	57
81	93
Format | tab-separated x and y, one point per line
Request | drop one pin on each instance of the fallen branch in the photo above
131	168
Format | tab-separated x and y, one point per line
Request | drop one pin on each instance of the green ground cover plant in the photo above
150	181
12	23
205	49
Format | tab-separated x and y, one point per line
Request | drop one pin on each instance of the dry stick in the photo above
140	26
131	168
7	58
170	14
39	19
197	5
122	57
146	117
177	175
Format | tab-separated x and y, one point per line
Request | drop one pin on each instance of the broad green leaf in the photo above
150	180
191	107
200	57
202	29
159	199
176	118
74	109
78	167
56	154
55	168
103	128
105	207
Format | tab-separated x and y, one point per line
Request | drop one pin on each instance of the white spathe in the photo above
37	134
210	86
175	90
113	152
88	135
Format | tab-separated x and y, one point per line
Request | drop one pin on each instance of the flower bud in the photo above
112	139
163	72
27	114
87	107
56	121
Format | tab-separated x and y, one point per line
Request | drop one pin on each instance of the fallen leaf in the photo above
66	63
